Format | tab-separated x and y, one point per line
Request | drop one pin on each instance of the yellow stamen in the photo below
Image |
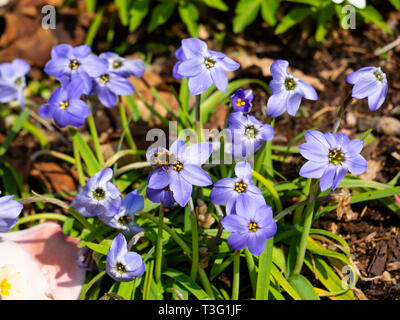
253	227
240	187
64	105
336	157
5	287
240	102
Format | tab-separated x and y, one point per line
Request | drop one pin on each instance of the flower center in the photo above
99	194
250	132
209	62
125	220
253	226
5	287
379	75
240	102
240	187
117	64
104	78
64	104
336	157
290	84
178	166
19	81
74	64
120	268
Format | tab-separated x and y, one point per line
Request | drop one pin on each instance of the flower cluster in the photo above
101	198
12	81
248	217
82	73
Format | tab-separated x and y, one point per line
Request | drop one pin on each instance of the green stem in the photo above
95	137
236	275
299	211
270	188
307	222
264	271
199	124
125	127
78	163
195	241
90	284
157	274
252	269
206	283
40	216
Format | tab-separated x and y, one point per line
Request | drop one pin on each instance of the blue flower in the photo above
98	197
331	157
237	193
109	86
241	100
9	211
12	81
65	105
250	227
123	67
69	62
371	83
287	91
203	67
125	218
179	168
122	265
247	134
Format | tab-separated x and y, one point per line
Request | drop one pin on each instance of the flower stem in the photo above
95	137
157	273
90	284
125	127
78	163
199	124
252	269
264	271
195	241
307	222
236	275
341	111
40	216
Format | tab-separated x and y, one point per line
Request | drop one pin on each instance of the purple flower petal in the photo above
238	241
327	177
159	179
182	190
198	153
195	175
276	104
356	164
279	69
313	169
235	223
200	83
220	78
243	170
340	173
191	67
